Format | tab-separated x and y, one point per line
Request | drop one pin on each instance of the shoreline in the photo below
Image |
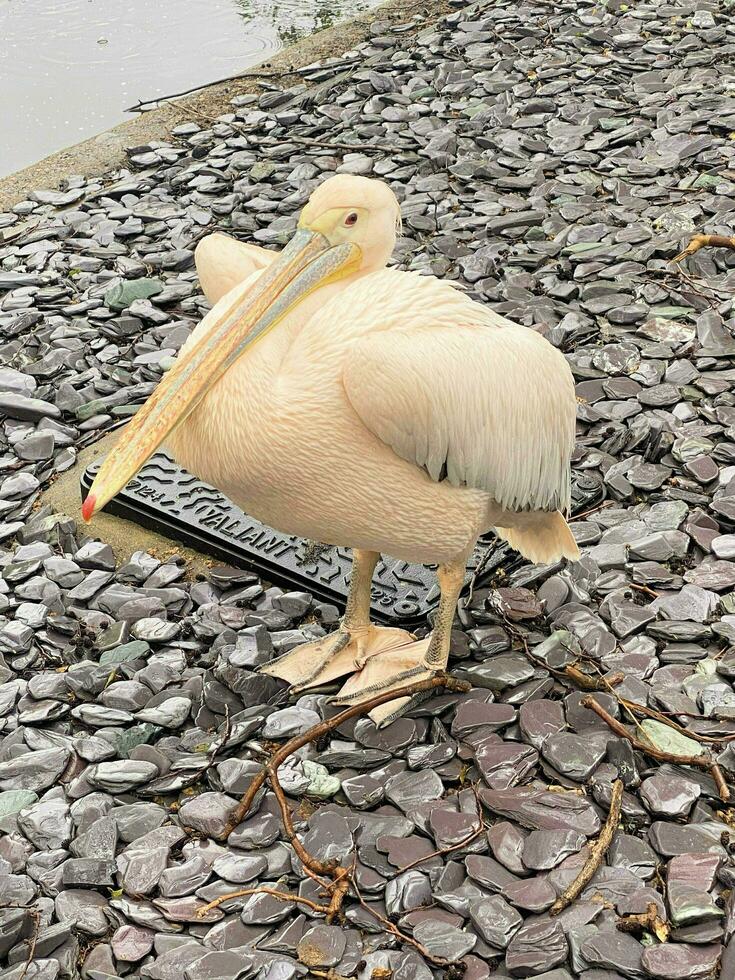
107	150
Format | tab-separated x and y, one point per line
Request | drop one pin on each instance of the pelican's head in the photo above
357	211
347	228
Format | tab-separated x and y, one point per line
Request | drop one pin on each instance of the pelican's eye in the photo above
351	218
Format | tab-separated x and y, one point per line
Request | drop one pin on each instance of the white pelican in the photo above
360	406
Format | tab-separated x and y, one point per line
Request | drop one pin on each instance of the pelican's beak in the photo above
308	262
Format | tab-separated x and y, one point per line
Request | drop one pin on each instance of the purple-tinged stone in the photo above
495	920
409	789
402	851
671	839
506	842
132	943
536	947
450	828
540	719
411	919
575	756
532	894
443	940
505	764
701	933
669	796
634	854
488	873
322	946
614	950
208	813
481	714
545	849
581	719
696	870
539	809
712	574
680	961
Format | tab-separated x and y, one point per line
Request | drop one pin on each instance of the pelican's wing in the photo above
223	263
482	406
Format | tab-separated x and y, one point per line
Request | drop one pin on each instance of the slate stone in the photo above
535	948
495	920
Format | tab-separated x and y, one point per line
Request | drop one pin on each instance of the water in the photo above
70	68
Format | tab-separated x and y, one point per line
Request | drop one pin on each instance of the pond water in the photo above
70	68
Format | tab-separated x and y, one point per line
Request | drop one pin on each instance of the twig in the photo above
703	761
342	878
200	88
472	835
643	588
705	241
324	727
597	852
400	936
263	890
318	867
36	916
646	712
588	683
649	920
571	672
593	510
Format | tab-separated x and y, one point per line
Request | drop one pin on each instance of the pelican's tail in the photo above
546	540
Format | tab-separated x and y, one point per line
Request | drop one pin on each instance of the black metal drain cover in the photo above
165	498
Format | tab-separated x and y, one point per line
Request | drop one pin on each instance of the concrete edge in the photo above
106	151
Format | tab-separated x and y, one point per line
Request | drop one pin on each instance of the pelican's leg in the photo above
411	663
355	642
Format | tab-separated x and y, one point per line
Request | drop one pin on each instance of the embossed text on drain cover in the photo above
167	499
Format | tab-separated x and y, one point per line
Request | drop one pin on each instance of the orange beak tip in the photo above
88	506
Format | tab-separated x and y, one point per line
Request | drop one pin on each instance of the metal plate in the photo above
165	498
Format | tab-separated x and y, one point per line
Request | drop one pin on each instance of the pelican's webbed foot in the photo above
331	657
413	662
394	669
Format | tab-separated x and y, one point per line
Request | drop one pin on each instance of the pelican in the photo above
361	406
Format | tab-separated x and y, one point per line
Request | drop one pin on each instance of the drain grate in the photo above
167	499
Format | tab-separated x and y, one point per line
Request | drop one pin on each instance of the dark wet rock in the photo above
679	961
506	842
544	849
487	872
444	940
543	810
665	796
505	764
576	756
495	920
540	719
536	947
208	813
